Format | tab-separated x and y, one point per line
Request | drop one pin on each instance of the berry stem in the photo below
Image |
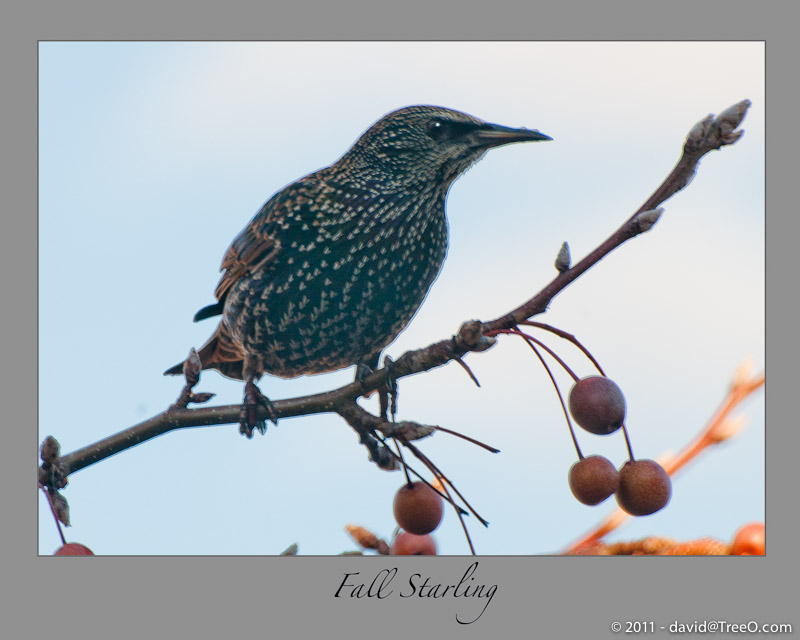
567	336
627	442
517	332
560	398
402	462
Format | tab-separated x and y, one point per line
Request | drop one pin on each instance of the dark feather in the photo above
209	311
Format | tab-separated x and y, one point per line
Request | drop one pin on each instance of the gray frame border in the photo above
213	597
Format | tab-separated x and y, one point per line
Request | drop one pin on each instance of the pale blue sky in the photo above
154	155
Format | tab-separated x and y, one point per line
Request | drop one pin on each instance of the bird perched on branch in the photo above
334	266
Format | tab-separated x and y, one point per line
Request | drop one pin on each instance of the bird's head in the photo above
422	144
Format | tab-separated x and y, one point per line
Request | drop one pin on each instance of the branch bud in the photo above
727	429
470	335
407	430
200	398
715	132
563	259
731	118
191	368
50	450
742	374
698	133
646	219
363	537
60	507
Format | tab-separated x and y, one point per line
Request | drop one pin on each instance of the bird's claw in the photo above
248	416
362	372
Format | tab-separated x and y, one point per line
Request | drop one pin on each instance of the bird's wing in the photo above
260	241
255	246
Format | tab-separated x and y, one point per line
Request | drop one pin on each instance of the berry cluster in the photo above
596	403
642	487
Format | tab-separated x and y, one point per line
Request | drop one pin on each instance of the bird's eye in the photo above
436	129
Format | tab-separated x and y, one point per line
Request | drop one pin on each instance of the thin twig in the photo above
444	496
466	368
429	463
468	439
444	482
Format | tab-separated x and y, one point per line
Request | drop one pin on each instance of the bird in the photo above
335	265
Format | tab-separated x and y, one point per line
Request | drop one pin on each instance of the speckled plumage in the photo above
334	266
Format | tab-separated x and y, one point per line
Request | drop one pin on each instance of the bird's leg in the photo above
253	398
388	390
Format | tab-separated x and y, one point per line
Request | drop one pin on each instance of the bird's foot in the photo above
387	392
248	416
362	371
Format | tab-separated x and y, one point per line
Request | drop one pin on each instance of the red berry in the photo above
593	479
418	508
597	404
644	487
749	540
408	544
73	549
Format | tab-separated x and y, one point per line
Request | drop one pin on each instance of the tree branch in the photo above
707	135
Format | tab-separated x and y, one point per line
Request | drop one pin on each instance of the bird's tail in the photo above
220	353
209	311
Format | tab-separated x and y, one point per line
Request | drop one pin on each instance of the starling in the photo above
334	266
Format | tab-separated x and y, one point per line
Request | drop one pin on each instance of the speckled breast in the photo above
333	306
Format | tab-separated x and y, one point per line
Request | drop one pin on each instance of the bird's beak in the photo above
494	135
